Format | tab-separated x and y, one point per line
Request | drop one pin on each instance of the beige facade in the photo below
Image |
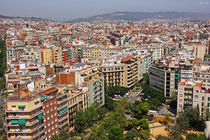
123	73
77	100
23	116
57	56
47	56
98	52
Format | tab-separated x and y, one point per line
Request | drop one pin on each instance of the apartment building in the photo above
58	60
86	76
163	80
70	54
201	72
24	116
157	50
99	51
204	102
189	93
131	71
36	115
46	56
113	73
77	100
93	79
122	73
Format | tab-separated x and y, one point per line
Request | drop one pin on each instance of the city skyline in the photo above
69	10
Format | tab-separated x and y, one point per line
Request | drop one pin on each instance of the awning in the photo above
63	110
21	105
40	116
14	121
22	121
43	97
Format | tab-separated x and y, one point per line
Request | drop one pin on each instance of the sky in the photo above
72	9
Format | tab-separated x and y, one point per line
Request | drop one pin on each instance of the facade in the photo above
57	56
162	80
201	72
189	95
89	77
47	56
157	51
99	51
77	100
36	115
121	73
24	117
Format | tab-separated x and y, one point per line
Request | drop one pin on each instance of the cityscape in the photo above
119	74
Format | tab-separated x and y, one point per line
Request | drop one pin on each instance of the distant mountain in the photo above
25	18
135	16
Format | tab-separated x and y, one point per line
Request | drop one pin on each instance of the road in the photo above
134	95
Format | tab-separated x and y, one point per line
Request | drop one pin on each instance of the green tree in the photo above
115	133
131	134
80	121
195	137
162	138
63	135
98	132
3	63
109	103
112	90
144	134
56	137
140	109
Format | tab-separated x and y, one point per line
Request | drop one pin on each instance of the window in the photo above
47	111
55	120
52	116
56	126
54	102
203	98
208	98
51	109
55	113
52	122
47	105
48	118
55	108
50	103
196	96
48	124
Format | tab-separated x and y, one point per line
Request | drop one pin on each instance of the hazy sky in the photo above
71	9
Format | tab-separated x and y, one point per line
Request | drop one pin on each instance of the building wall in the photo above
25	112
50	117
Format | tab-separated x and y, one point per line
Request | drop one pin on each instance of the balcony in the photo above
24	110
38	134
63	124
26	130
32	123
66	117
62	106
20	138
62	101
